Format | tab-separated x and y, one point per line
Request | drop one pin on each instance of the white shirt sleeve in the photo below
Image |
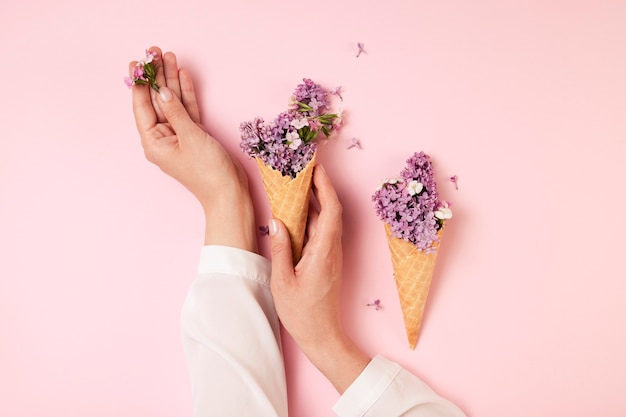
231	337
232	344
386	389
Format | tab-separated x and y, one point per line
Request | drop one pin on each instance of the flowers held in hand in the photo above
287	144
144	72
410	204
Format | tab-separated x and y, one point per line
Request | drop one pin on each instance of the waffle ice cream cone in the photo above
413	272
289	201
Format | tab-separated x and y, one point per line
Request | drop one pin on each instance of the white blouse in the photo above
232	344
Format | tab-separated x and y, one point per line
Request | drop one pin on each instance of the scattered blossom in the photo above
355	144
361	48
410	204
287	144
264	230
336	92
375	304
454	179
144	72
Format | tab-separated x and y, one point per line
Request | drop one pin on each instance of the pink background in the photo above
524	101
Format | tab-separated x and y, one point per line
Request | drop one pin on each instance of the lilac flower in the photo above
299	123
361	47
264	230
336	92
410	204
375	304
414	187
355	144
287	144
454	179
144	72
443	213
150	56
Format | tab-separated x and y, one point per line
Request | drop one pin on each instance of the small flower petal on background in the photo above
455	180
264	230
355	144
361	50
336	92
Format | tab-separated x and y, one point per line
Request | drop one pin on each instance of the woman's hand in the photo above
174	139
307	296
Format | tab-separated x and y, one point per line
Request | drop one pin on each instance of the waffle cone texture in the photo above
413	272
289	201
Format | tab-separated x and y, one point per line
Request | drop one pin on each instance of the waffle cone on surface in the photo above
289	201
413	272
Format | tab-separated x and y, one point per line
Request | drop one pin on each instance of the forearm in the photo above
338	358
229	219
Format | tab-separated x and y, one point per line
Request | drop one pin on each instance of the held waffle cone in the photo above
289	201
413	272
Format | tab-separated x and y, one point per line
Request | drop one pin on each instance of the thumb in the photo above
280	246
175	113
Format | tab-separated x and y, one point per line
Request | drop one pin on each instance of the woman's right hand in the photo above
307	296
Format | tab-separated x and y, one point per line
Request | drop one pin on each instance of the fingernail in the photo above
273	227
165	93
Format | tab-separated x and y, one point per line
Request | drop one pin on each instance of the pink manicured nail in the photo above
273	227
165	93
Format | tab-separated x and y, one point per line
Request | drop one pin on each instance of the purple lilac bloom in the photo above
411	217
312	95
287	143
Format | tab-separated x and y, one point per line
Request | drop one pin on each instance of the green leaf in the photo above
304	107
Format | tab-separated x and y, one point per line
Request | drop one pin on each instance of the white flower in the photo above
293	139
148	59
414	187
388	181
444	213
299	123
292	103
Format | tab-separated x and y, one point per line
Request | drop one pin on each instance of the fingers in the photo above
311	225
158	61
330	208
145	115
170	72
188	95
176	114
150	108
280	246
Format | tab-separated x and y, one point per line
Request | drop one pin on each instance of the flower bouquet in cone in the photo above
285	151
414	219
